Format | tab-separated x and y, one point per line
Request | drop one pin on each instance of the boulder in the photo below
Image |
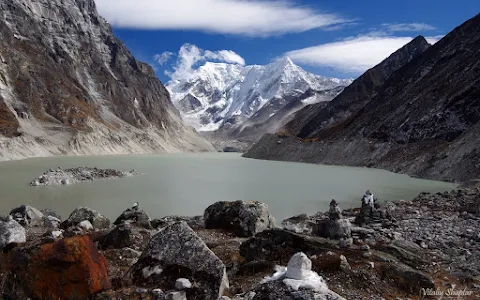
120	237
57	234
278	245
48	212
407	278
300	224
97	220
177	251
71	268
27	215
51	222
135	216
11	232
243	218
85	225
195	223
407	252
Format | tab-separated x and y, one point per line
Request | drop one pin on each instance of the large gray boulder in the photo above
27	215
176	251
196	222
301	224
243	218
87	214
11	232
135	216
275	290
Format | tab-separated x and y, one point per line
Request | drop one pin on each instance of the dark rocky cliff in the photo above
422	121
316	118
68	86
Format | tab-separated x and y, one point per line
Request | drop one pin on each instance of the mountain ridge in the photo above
423	121
69	86
220	95
356	95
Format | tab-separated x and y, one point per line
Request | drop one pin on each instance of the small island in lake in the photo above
74	175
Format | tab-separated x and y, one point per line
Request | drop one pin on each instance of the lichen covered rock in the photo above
71	268
176	251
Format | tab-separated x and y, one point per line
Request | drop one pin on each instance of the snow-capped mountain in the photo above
221	96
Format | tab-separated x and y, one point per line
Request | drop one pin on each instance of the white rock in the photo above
177	295
86	225
344	265
11	232
157	292
182	284
149	271
56	234
51	222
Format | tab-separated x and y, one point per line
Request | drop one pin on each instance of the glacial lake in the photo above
185	184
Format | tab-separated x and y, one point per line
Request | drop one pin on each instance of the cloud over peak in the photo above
404	27
352	55
189	56
238	17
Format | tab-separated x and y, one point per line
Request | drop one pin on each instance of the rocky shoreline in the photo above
395	250
59	176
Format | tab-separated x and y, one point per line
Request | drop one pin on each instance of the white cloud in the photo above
352	55
161	59
433	39
190	56
227	56
240	17
403	27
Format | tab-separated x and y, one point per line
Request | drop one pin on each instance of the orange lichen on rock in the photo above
71	268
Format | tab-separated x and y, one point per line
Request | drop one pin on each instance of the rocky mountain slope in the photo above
229	97
68	86
319	117
422	121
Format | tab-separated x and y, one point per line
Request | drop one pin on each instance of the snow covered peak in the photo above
219	94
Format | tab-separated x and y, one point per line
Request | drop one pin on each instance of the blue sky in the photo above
332	38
